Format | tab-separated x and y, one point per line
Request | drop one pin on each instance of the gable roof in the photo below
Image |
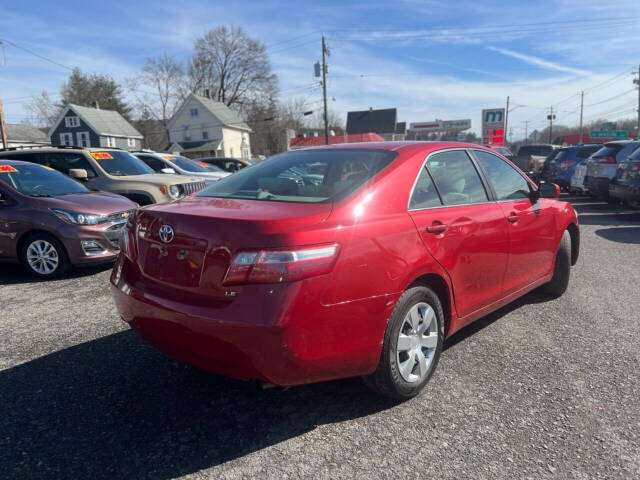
102	122
227	117
375	121
26	134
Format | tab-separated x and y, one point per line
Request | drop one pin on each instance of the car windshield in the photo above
186	164
120	163
310	176
38	180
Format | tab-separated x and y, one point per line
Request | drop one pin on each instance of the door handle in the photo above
512	217
437	227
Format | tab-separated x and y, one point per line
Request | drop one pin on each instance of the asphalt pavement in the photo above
540	389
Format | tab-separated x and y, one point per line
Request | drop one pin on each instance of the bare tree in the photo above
159	88
233	67
43	110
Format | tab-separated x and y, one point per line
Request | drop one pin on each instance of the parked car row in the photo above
63	206
608	171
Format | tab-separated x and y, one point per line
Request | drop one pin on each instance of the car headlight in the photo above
174	191
79	218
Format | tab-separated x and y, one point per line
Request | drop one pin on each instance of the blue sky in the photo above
430	59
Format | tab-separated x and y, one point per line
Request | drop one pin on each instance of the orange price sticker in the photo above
7	169
101	155
169	157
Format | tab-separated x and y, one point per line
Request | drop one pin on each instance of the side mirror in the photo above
167	170
549	190
79	174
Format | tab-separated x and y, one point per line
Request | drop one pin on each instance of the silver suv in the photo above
602	165
111	170
168	163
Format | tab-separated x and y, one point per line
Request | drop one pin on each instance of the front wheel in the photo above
44	256
412	345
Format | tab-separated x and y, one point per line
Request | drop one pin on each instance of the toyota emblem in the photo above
166	233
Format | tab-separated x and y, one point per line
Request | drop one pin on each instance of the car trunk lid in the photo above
207	232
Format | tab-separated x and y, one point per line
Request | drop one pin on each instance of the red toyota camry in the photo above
352	260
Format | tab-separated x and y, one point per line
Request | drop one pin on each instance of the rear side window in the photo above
562	155
506	181
424	193
635	156
306	176
608	151
456	178
63	162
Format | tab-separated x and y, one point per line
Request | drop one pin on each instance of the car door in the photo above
461	228
530	223
7	229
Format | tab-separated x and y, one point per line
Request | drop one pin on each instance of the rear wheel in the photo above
44	256
561	271
412	345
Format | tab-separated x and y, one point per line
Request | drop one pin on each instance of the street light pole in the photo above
324	91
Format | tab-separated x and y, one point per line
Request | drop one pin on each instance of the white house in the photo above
205	128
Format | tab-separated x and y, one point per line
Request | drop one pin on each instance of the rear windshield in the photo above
38	181
635	156
310	176
587	151
535	150
120	163
608	151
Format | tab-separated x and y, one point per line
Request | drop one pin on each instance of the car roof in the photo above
8	161
60	149
407	146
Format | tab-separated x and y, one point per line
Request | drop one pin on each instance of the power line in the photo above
2	40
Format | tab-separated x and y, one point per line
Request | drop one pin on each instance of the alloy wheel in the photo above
42	257
417	342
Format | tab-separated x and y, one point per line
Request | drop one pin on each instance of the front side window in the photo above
456	178
424	193
507	182
305	176
63	162
186	164
39	181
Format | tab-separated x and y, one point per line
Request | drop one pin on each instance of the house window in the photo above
131	142
231	152
187	135
66	139
245	152
205	134
82	139
111	142
193	112
71	122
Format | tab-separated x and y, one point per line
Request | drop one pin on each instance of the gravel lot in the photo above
540	389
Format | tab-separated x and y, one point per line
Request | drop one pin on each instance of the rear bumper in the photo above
625	192
281	334
597	185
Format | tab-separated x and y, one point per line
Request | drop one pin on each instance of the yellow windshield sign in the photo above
101	155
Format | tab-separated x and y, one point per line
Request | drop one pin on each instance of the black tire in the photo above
63	259
387	380
562	268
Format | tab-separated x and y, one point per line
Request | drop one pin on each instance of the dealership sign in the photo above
441	125
493	126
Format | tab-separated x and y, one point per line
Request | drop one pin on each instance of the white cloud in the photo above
539	62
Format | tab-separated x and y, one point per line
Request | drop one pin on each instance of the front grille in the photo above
189	188
112	234
120	216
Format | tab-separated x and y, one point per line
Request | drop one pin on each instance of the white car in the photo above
168	163
577	179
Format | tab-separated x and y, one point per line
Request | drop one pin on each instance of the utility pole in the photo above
551	117
325	53
581	109
637	82
526	132
3	127
506	117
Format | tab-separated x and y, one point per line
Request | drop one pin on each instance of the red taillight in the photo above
564	166
281	265
606	160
